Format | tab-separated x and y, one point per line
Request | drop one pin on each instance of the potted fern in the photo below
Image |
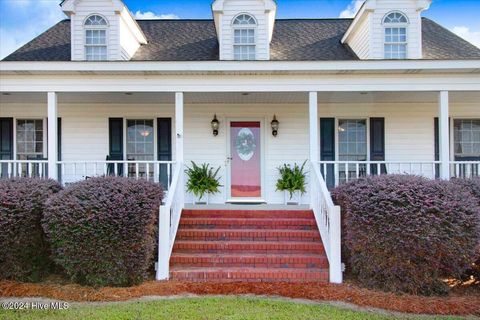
202	181
292	182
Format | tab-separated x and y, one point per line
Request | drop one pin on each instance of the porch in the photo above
144	135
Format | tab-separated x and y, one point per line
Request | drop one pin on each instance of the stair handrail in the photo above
328	218
168	221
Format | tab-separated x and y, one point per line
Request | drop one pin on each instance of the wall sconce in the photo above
215	125
275	124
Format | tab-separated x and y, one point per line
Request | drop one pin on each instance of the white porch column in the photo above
443	137
314	135
179	127
52	136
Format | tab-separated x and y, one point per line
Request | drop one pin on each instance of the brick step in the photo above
273	214
305	261
285	247
251	223
249	274
248	234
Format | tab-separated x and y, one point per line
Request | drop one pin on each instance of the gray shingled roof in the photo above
196	40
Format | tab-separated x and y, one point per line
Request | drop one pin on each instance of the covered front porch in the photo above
144	135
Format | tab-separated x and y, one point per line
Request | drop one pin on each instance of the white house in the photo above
102	93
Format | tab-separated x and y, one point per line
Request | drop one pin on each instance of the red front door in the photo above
245	149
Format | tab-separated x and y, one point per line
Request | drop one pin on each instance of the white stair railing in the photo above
328	218
169	218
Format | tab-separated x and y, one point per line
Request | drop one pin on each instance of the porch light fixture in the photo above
215	125
275	125
144	133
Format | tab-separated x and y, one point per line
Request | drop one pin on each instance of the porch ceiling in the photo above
240	98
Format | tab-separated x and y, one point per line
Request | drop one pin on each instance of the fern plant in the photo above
292	179
202	179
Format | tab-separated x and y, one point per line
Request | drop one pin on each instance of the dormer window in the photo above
96	38
396	44
244	28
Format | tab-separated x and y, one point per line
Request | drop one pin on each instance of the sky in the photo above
22	20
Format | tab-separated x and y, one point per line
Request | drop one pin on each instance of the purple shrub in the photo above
24	252
102	230
403	233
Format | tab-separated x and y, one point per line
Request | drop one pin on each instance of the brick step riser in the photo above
321	276
246	224
242	227
223	264
246	250
240	237
247	215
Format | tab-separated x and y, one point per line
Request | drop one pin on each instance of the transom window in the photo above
466	138
396	44
244	46
96	38
30	139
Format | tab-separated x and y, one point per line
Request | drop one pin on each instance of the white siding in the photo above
256	8
360	38
409	130
414	29
85	8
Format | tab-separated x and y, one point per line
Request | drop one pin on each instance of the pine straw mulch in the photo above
460	303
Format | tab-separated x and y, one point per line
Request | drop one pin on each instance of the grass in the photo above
204	308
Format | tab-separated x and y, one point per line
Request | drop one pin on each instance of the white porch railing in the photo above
169	219
343	171
156	171
465	169
23	168
328	217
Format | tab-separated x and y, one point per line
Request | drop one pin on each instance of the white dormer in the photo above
102	30
244	28
387	29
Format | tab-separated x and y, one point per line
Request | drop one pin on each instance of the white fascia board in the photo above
250	67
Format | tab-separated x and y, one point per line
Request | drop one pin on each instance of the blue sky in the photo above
22	20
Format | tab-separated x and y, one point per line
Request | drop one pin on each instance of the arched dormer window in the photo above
396	42
96	38
244	29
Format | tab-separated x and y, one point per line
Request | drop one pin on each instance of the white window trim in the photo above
337	137
387	25
452	133
45	135
90	27
244	27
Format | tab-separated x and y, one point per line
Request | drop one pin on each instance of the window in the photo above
395	36
96	38
140	147
352	146
30	139
466	138
244	37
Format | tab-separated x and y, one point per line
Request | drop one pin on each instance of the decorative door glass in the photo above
245	148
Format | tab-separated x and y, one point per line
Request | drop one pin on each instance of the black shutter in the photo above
377	144
59	147
6	138
164	147
116	144
6	143
327	149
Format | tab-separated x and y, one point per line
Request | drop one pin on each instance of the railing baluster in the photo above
136	170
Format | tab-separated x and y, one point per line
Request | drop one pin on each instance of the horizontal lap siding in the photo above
290	146
360	42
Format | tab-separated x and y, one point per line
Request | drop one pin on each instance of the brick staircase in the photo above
248	245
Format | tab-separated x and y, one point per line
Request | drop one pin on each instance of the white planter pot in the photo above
295	199
202	200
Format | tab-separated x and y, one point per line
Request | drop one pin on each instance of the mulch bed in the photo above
468	303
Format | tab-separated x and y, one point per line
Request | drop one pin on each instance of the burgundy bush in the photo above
472	186
403	233
24	252
102	230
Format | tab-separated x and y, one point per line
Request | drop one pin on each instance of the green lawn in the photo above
204	308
